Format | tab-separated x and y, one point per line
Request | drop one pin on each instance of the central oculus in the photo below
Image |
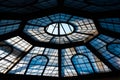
60	29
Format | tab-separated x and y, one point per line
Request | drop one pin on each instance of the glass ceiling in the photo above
72	29
96	55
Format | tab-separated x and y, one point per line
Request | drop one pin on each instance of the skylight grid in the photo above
61	28
21	67
7	29
4	51
67	66
61	44
60	17
9	59
82	64
98	66
9	22
37	33
112	24
114	48
106	39
52	66
102	49
40	21
77	37
19	43
37	65
46	65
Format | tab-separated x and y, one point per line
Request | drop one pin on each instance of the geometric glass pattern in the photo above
102	42
47	64
37	65
59	38
19	43
114	48
112	24
82	64
8	57
4	51
7	26
78	28
44	62
89	58
17	56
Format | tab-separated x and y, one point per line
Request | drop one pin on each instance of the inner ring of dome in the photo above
59	29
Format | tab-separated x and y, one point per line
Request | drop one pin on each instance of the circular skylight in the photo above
60	29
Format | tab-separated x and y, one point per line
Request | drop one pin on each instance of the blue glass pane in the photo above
112	24
106	39
37	65
21	66
7	29
101	48
97	64
60	17
8	22
82	64
7	26
40	21
114	48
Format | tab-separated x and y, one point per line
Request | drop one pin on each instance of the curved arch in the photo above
114	48
5	50
37	65
82	64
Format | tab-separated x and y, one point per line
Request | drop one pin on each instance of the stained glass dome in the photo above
59	38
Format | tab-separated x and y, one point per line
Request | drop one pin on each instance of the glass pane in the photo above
37	65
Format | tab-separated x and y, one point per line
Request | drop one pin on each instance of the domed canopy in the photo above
59	38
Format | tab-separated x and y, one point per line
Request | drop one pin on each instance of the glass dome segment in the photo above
61	29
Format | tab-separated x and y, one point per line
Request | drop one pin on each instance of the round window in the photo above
60	29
